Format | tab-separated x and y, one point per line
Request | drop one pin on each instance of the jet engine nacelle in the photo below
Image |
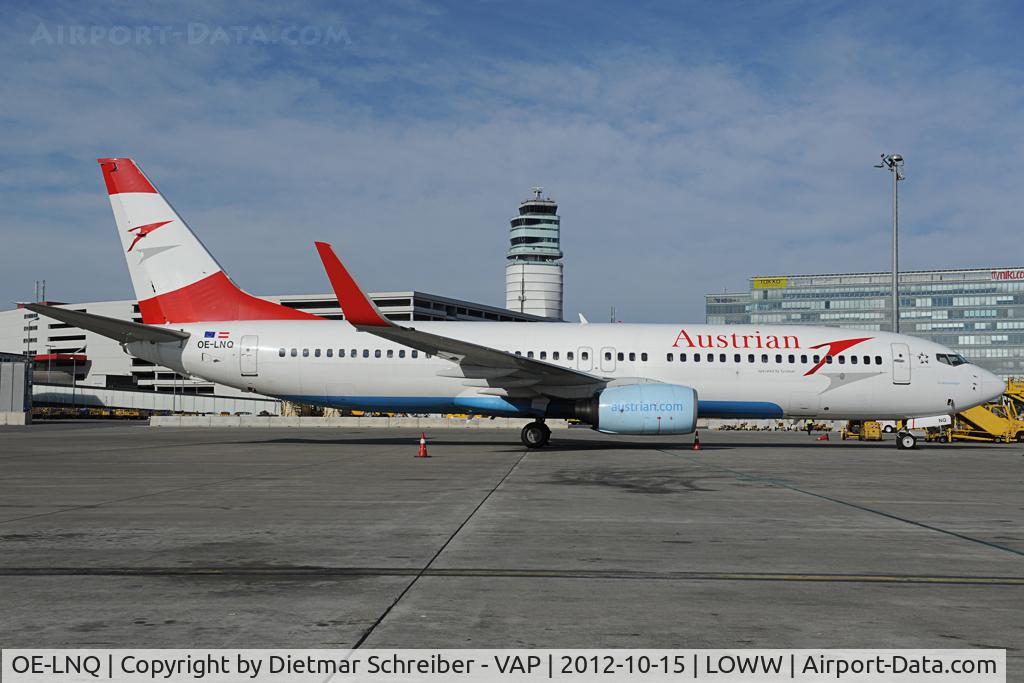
642	409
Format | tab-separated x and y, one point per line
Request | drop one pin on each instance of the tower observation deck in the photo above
533	274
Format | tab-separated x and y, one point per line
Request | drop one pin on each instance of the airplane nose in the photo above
992	387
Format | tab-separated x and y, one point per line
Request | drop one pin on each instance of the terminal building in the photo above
977	312
62	354
533	272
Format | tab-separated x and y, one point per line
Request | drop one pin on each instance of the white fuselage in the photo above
737	371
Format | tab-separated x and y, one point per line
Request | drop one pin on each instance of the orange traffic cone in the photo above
696	441
823	437
423	446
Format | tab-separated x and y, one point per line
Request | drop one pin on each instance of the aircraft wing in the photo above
492	370
123	331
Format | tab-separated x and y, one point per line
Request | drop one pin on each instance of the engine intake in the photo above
641	409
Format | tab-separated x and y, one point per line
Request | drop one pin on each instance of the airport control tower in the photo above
533	275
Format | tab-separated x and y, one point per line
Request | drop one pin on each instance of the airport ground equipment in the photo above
1001	420
862	430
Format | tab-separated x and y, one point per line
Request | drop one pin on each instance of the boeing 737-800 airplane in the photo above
619	378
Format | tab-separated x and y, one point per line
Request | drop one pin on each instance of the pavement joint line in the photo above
612	574
863	508
426	567
173	490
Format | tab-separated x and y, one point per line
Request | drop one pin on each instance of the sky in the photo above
690	145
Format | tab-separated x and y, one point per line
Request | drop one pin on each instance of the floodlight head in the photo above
897	158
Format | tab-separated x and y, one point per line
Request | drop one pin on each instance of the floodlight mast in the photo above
894	162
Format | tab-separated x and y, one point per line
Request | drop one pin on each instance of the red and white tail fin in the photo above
176	279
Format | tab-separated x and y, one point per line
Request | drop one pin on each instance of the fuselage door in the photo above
584	358
900	364
607	359
250	346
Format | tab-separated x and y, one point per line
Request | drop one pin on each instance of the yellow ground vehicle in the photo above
866	430
1000	421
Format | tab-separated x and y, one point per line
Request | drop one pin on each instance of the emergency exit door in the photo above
900	364
250	347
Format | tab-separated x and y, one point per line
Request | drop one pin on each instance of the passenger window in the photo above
878	360
391	353
621	356
867	360
803	358
842	360
721	358
519	353
682	358
778	358
585	355
817	359
554	355
341	353
853	359
330	353
607	355
543	355
529	354
750	358
711	358
281	352
668	357
632	356
415	354
643	357
294	353
736	358
696	358
792	359
401	353
376	353
828	359
305	353
764	357
316	352
366	353
569	355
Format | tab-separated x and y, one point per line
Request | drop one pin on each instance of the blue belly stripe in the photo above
748	409
487	405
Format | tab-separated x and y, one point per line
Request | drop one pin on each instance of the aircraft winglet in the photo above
356	306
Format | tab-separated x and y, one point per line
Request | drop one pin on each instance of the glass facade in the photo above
979	313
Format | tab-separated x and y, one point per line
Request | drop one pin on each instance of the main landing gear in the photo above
535	435
906	440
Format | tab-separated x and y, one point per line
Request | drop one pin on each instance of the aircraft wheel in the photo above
906	441
535	435
888	429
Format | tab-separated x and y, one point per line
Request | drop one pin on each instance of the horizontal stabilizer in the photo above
123	331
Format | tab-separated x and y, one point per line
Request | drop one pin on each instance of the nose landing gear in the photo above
535	435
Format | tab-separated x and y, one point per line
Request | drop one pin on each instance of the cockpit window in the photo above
953	359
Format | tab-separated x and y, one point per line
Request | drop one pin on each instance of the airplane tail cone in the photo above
696	441
423	446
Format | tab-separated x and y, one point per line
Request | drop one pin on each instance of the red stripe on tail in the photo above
122	175
214	298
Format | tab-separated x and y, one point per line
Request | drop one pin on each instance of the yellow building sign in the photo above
771	282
